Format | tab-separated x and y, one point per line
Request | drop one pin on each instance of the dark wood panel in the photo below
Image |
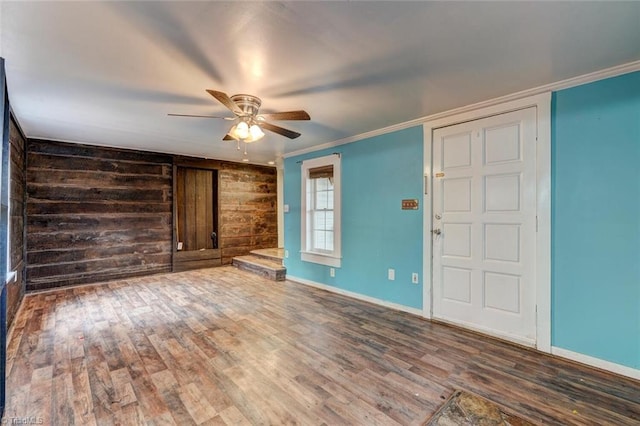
106	264
64	193
190	218
96	213
16	235
39	257
90	238
124	221
248	215
180	211
95	207
203	209
90	204
42	162
187	265
90	151
258	228
197	255
196	208
88	178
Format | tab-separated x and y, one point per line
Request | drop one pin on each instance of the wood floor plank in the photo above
225	347
82	397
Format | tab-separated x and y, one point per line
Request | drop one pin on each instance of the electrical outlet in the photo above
414	278
286	254
392	274
332	272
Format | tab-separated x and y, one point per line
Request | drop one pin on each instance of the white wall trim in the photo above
306	254
543	216
623	370
354	295
542	103
427	211
563	84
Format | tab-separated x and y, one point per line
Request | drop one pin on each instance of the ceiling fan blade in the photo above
201	116
279	130
225	100
287	115
228	137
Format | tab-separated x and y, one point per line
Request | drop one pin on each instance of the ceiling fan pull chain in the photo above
245	148
238	141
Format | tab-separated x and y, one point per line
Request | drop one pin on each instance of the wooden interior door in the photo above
196	218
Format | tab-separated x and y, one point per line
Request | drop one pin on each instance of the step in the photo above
276	254
267	268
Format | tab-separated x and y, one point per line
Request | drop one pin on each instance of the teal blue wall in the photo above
596	219
377	173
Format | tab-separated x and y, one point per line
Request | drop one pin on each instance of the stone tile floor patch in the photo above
463	408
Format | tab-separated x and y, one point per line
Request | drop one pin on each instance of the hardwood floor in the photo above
222	346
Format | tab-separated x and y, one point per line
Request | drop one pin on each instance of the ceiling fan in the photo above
248	123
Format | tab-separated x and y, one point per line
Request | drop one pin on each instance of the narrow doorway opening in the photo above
196	218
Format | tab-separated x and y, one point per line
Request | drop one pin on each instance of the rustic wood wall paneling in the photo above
95	214
17	213
247	206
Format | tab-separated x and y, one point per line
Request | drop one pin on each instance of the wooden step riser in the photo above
271	274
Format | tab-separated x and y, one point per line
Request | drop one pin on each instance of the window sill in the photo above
320	258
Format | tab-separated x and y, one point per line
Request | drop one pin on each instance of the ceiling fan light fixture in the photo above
248	125
256	132
241	130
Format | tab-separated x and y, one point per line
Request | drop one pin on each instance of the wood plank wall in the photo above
95	214
247	205
248	209
16	288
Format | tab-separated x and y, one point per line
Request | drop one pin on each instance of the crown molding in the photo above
552	87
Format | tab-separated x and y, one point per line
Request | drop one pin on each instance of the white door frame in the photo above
542	102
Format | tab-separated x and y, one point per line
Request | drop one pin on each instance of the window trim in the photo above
333	258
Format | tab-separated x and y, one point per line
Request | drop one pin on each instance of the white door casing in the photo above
484	208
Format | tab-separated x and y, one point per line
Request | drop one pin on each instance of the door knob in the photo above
436	231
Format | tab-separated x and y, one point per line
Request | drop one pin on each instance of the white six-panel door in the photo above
484	220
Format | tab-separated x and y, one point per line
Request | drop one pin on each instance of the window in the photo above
321	210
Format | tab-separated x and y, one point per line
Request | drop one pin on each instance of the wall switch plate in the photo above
179	245
286	254
392	274
332	272
414	278
286	208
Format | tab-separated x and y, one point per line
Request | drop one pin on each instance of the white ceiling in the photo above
107	73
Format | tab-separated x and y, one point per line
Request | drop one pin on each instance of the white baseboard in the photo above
390	305
596	362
